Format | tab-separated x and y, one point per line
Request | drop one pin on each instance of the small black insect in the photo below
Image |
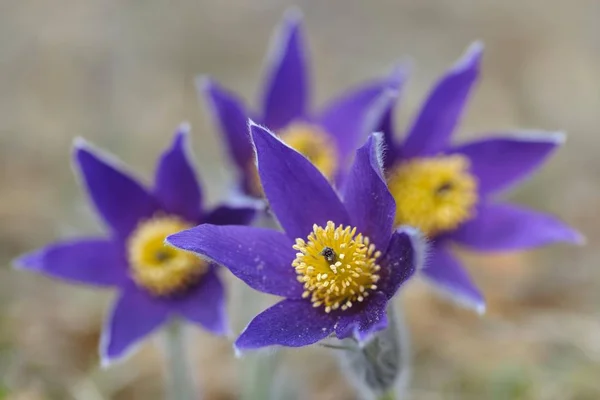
445	188
329	255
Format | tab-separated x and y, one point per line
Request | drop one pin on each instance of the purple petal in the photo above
499	162
120	199
506	227
364	324
447	275
391	148
444	106
260	257
366	196
232	118
298	193
176	185
227	215
292	323
286	93
405	254
357	113
92	261
205	304
135	315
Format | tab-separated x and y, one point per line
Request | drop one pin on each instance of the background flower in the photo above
328	137
334	281
448	191
154	282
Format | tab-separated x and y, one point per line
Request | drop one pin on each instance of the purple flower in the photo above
448	191
339	261
328	138
155	282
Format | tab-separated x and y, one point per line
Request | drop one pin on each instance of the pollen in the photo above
434	194
156	267
310	141
337	266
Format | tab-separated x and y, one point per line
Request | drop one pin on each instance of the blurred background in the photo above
120	73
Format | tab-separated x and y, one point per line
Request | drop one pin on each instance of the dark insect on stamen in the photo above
329	255
445	188
162	256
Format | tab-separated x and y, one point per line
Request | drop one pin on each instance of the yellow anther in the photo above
336	285
160	269
434	194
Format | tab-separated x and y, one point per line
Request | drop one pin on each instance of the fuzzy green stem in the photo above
179	382
388	396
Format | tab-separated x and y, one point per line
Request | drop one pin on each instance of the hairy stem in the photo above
179	382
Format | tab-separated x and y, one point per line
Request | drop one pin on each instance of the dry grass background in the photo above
120	73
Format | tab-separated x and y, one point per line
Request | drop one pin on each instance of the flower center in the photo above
311	142
337	266
160	269
435	195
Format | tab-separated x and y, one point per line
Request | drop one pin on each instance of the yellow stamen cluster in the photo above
434	194
161	269
336	266
308	140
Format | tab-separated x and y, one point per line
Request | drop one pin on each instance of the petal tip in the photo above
470	301
238	351
400	71
559	137
82	147
172	240
80	143
579	238
184	128
252	124
28	261
105	363
204	83
480	308
293	17
554	137
470	59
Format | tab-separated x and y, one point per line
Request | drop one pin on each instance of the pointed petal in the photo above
205	304
91	261
364	324
176	185
292	323
357	113
135	315
391	152
286	93
369	203
260	257
499	162
405	254
506	227
120	199
227	215
232	118
298	193
444	106
445	273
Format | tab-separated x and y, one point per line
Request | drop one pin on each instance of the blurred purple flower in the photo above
338	263
447	191
328	138
155	282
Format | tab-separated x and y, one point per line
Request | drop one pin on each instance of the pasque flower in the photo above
327	137
337	264
447	191
155	282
